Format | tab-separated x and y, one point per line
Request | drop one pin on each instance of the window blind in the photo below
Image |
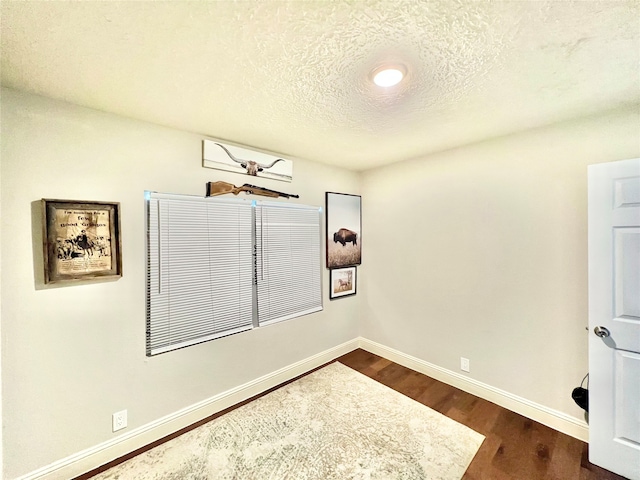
221	266
288	261
200	272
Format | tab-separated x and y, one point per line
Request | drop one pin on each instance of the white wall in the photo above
73	355
478	252
481	252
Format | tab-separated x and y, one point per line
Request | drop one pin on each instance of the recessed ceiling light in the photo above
388	76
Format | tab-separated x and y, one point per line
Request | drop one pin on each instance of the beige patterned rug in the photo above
334	423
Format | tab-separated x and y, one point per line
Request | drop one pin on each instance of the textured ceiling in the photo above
293	77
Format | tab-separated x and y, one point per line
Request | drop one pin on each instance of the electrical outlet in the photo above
119	420
464	364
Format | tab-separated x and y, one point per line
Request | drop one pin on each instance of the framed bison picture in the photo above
344	230
343	282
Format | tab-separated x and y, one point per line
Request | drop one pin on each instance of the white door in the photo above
614	317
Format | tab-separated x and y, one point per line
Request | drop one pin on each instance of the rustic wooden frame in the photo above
80	247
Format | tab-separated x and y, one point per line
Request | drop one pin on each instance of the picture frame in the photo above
343	282
344	230
81	240
230	158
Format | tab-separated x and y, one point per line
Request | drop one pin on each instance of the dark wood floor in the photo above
515	447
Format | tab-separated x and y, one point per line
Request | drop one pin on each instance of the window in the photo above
221	266
288	261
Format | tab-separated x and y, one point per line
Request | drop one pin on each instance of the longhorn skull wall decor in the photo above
242	160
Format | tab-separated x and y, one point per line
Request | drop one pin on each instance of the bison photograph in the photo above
344	237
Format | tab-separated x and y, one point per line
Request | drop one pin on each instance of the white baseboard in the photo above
555	419
105	452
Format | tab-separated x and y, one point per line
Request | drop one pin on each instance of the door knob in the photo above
602	332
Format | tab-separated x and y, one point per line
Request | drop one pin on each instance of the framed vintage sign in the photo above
343	282
81	240
344	230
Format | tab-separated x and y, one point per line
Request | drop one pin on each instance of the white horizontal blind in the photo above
288	261
199	270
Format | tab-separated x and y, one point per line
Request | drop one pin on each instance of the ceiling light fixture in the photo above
388	76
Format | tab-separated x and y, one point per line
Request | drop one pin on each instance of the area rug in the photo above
334	423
